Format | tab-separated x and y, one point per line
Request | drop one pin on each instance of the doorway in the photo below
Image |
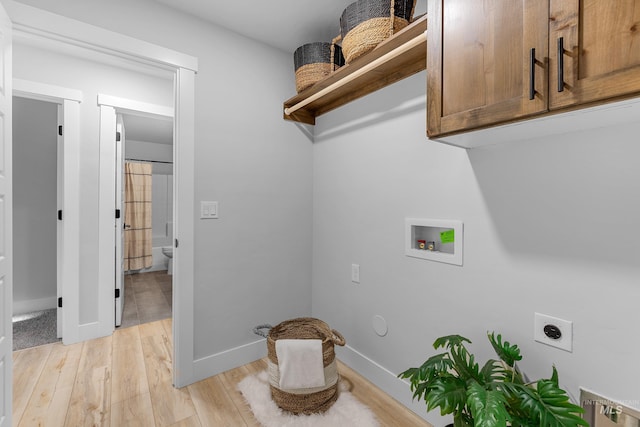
36	194
144	184
53	30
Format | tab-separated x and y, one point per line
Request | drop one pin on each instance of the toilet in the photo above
168	252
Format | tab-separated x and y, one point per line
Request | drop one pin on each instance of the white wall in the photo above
253	265
34	205
162	209
31	63
550	226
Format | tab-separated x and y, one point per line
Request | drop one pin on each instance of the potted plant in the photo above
496	395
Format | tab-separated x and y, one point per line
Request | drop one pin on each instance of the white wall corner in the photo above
229	359
386	380
28	306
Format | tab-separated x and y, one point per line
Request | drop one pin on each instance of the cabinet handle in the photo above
560	64
532	74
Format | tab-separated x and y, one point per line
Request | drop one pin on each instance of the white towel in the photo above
300	363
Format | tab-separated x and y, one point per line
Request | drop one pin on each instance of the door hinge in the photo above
118	137
60	130
117	293
60	302
176	243
117	213
60	215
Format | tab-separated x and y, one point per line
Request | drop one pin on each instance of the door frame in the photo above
111	184
68	236
49	30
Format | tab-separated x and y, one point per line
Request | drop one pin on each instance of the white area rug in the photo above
346	412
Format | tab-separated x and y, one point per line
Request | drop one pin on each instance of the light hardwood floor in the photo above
125	380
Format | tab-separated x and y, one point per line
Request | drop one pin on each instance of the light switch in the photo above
355	273
208	210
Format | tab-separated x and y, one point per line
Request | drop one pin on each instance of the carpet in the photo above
346	412
34	329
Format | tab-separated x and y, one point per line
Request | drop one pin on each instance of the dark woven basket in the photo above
305	328
365	23
315	61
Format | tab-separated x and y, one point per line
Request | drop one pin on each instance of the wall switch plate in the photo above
552	331
355	273
208	210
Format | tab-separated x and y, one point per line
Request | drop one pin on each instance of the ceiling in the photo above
284	24
139	128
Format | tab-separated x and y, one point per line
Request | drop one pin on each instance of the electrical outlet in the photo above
553	331
355	273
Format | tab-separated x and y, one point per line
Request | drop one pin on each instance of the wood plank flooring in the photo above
125	380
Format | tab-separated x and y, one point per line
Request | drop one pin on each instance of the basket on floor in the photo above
365	23
307	401
315	61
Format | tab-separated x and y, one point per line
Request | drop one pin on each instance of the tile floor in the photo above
148	298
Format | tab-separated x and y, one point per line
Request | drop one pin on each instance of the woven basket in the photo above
365	23
315	61
307	401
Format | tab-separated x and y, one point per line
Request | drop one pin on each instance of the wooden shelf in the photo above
404	65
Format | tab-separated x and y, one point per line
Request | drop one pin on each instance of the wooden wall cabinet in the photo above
600	56
497	61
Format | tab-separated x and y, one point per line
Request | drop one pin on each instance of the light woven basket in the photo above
366	23
315	61
317	400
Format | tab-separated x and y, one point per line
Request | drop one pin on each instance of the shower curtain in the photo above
137	203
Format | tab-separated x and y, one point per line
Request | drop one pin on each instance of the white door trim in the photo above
119	232
6	221
106	224
183	228
110	159
45	92
138	108
39	24
32	22
69	117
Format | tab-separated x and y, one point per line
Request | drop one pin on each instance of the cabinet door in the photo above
479	62
600	56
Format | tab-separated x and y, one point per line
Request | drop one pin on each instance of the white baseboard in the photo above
228	359
93	330
28	306
387	381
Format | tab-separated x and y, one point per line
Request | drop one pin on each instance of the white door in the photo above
120	224
60	227
6	238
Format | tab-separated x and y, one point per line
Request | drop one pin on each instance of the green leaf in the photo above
487	406
464	364
447	393
522	422
420	390
557	405
492	371
462	420
409	373
430	369
547	405
554	376
505	351
450	341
